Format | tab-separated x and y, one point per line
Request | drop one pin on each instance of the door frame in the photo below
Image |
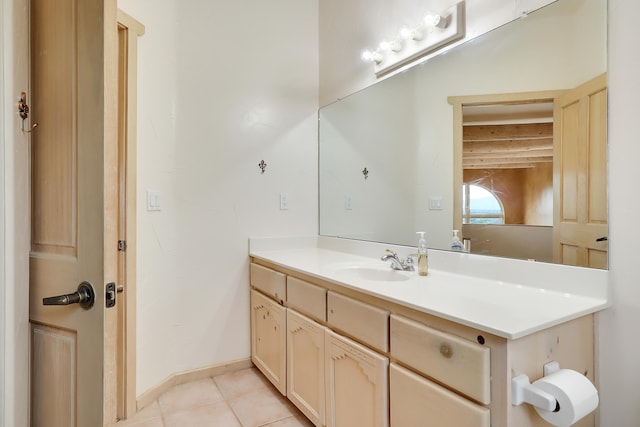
129	29
458	102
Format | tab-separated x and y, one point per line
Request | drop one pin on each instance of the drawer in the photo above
456	362
269	281
364	322
414	399
307	298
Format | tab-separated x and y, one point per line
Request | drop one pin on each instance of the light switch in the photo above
153	200
284	201
348	202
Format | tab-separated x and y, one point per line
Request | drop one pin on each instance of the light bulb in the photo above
410	34
388	46
371	56
435	20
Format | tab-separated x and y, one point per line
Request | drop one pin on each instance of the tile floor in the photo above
244	398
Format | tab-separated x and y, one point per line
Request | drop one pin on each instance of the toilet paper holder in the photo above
522	391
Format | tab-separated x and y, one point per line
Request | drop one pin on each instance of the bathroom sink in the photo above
371	273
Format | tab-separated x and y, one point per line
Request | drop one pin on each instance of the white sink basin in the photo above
371	273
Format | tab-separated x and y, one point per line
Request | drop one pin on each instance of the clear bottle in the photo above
456	244
423	260
466	244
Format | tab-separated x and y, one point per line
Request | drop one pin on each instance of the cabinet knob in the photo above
446	351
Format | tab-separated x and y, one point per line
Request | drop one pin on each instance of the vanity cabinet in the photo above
305	366
268	339
348	358
356	384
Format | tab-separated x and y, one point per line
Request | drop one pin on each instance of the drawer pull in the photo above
446	351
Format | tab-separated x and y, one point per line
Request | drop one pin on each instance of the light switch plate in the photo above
284	201
348	202
153	200
435	203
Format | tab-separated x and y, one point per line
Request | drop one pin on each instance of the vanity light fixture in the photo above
436	31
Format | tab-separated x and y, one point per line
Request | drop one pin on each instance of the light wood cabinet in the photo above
305	366
416	402
363	322
357	378
459	363
308	299
269	282
268	338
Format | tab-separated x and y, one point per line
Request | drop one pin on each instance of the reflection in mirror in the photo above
402	131
543	157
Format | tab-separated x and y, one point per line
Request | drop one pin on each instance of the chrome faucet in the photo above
396	262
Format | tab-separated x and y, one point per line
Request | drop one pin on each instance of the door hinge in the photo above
122	245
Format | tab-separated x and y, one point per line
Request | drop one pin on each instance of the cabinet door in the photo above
305	366
268	339
357	392
416	402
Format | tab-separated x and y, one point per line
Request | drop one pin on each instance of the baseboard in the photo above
184	377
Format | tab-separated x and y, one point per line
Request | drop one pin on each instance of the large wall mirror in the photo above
515	113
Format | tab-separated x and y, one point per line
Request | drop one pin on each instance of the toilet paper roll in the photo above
573	391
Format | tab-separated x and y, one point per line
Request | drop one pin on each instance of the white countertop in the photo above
508	298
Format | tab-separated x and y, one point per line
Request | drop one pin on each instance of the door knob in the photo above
85	296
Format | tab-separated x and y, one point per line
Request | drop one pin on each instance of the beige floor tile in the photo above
261	407
216	415
146	417
190	395
299	421
251	401
133	422
240	382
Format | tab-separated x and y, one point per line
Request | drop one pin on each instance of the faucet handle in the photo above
391	251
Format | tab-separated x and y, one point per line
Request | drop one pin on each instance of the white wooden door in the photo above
357	384
580	176
74	211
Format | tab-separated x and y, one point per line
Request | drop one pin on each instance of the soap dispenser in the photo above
423	260
456	244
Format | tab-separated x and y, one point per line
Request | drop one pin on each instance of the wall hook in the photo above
365	172
262	165
23	112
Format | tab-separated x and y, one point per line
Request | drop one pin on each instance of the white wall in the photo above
619	348
348	28
222	86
